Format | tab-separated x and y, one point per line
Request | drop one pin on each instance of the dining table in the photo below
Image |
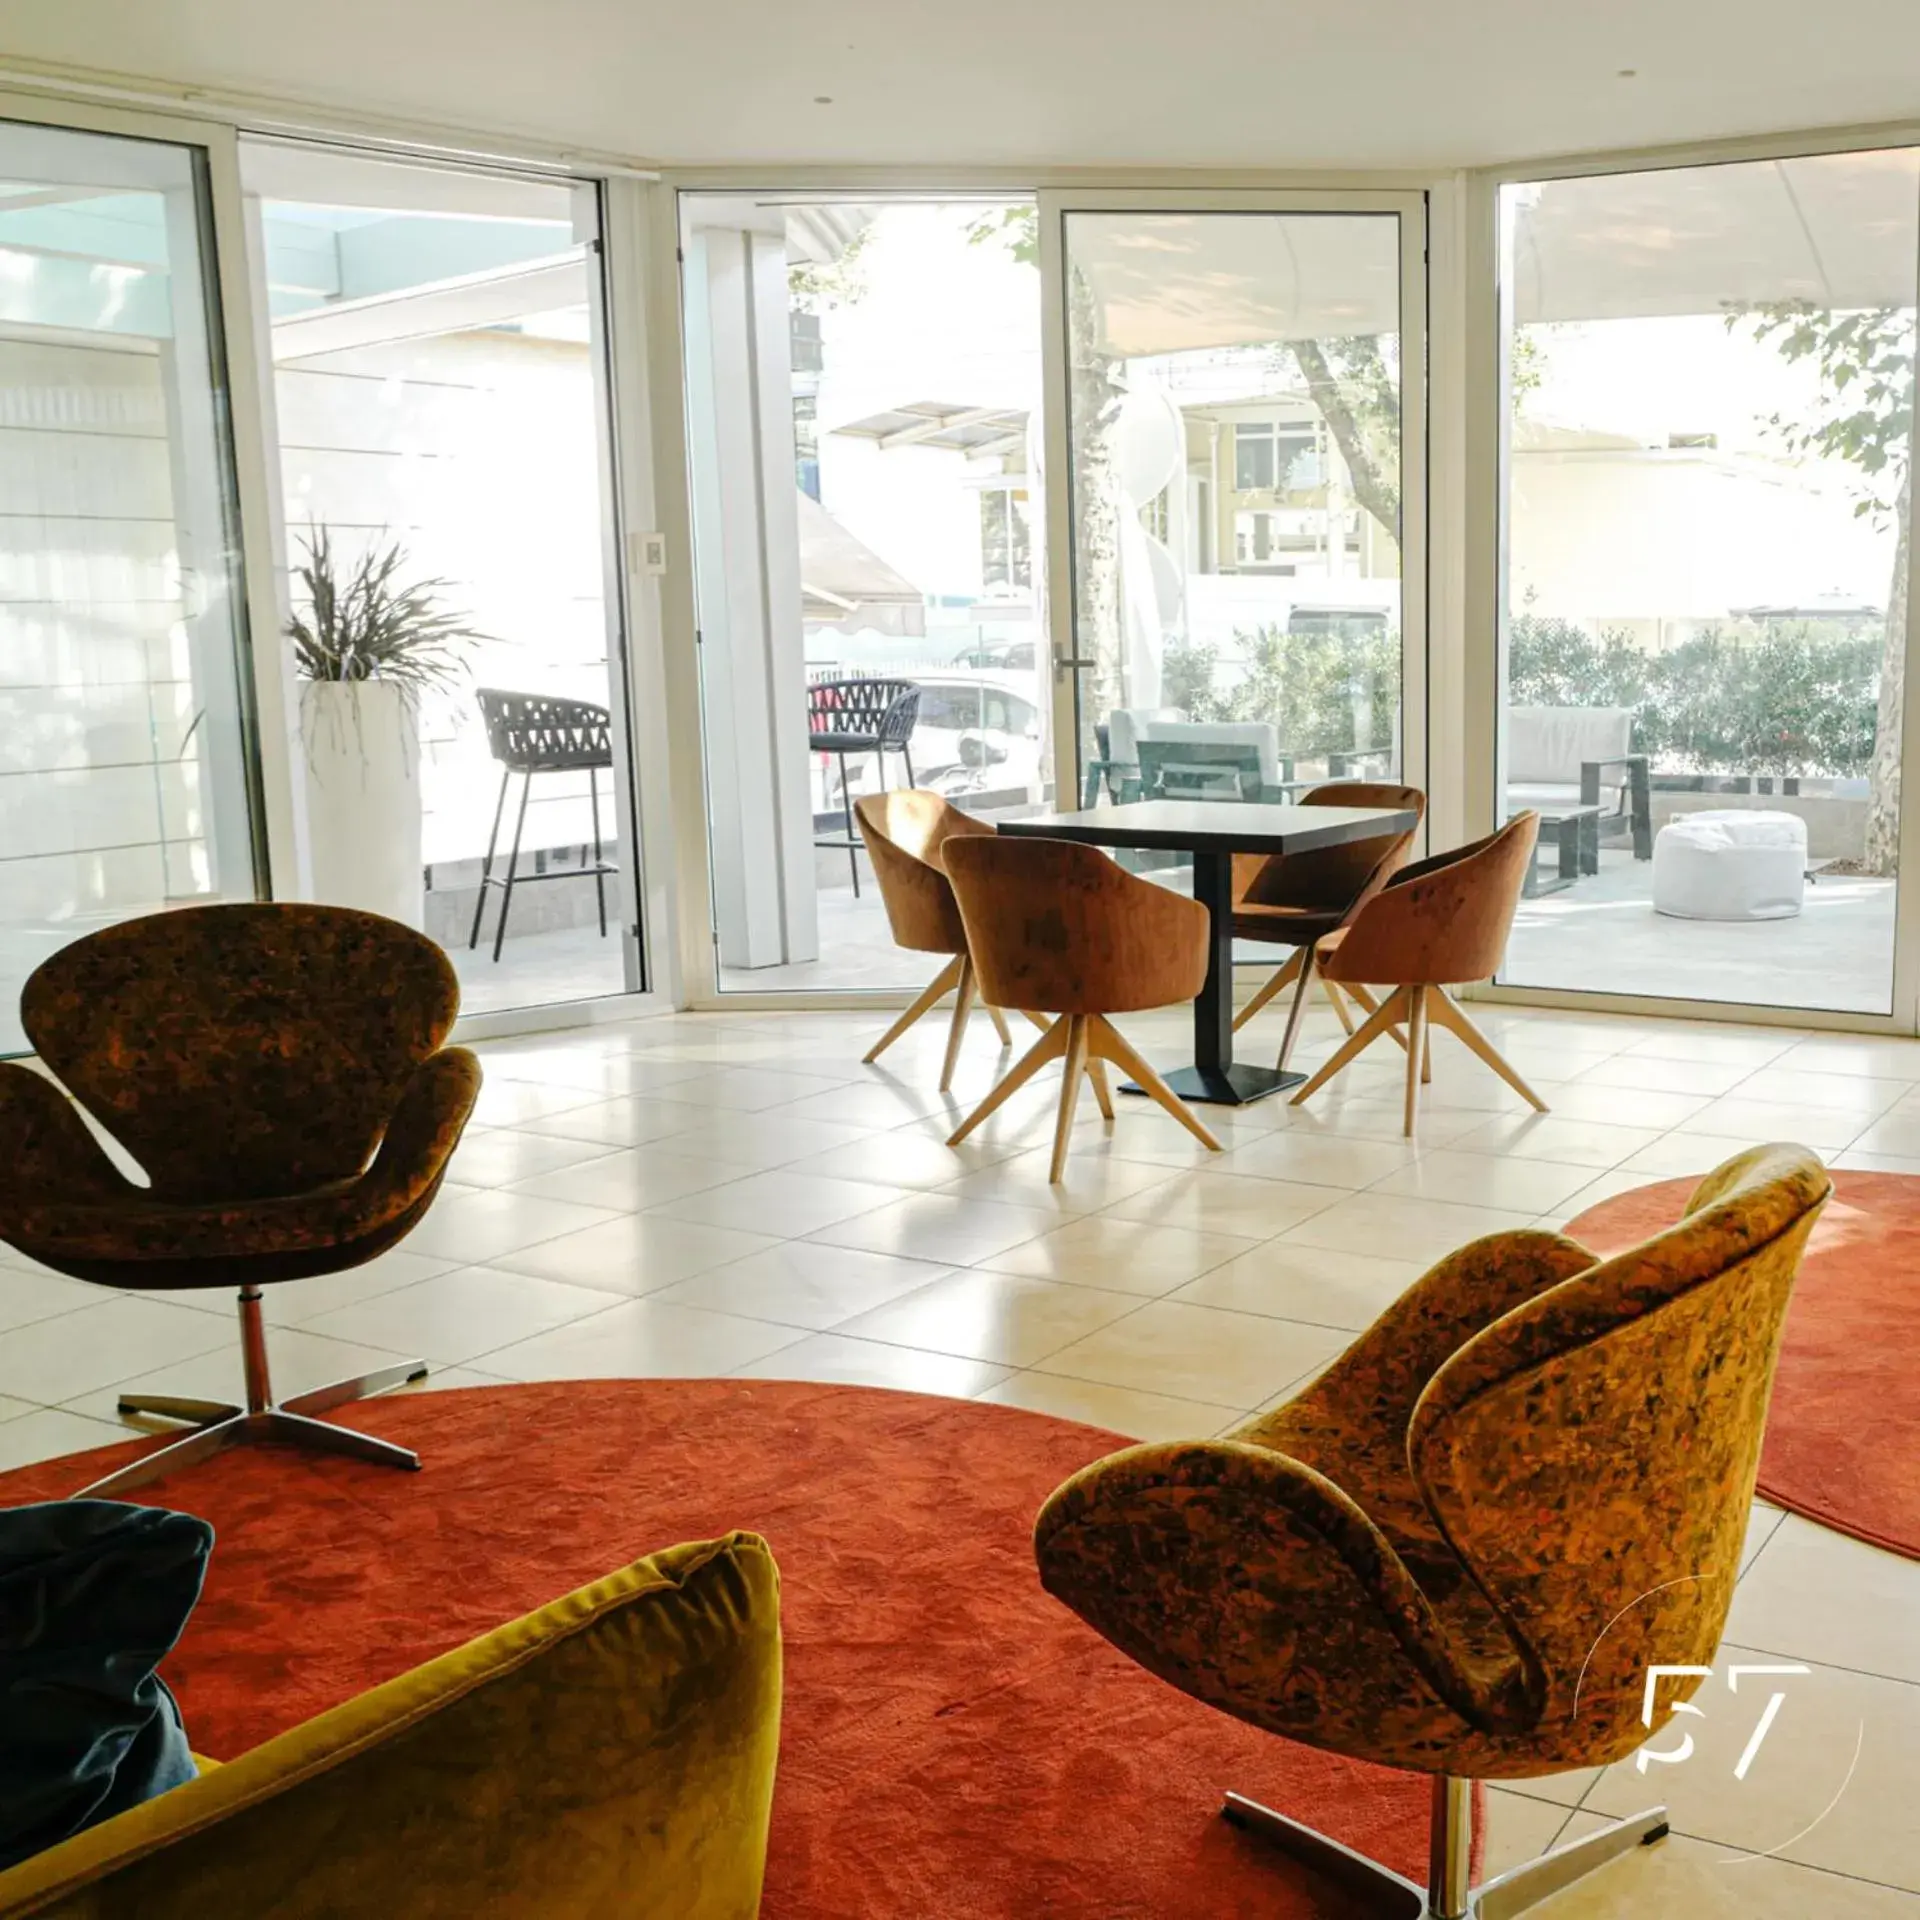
1211	832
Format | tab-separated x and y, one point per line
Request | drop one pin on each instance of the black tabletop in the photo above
1217	826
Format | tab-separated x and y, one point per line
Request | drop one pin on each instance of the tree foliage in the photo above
1324	692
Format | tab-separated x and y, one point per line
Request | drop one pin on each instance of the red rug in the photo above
1843	1436
954	1741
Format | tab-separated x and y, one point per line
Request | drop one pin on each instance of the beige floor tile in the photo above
1212	1202
1758	1121
1126	1256
1896	1133
1198	1353
1563	1790
1762	1523
1348	1291
297	1360
1651	1073
1396	1227
799	1283
50	1361
1676	1155
11	1409
1583	1143
1090	1182
761	1141
291	1303
1698	1040
603	1074
636	1253
751	1089
910	1161
779	1202
1124	1410
1605	1186
939	1227
499	1156
513	1103
1619	1106
1518	1829
1320	1160
999	1317
630	1179
1878	1057
1487	1180
461	1315
1814	1594
473	1227
833	1358
1832	1784
877	1101
641	1339
1843	1092
1853	1160
621	1123
1384	1120
49	1433
26	1297
1682	1879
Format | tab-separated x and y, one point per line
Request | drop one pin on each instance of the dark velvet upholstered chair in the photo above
277	1073
1298	900
904	831
1441	922
1462	1549
1057	928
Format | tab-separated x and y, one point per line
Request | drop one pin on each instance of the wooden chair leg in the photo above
1069	1091
1339	1000
944	982
1426	1057
962	1006
1379	1021
1277	984
1110	1043
1298	1006
999	1020
1050	1046
1102	1093
1416	1051
1368	1004
1454	1017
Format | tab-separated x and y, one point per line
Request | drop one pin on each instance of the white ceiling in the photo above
1254	83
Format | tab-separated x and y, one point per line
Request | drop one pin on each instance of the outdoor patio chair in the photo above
861	716
1562	757
530	733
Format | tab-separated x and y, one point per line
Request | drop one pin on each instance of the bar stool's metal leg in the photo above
486	869
513	866
599	878
906	753
846	810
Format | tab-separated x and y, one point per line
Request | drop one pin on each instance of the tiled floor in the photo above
738	1194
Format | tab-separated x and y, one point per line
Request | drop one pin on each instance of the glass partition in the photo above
125	764
1708	418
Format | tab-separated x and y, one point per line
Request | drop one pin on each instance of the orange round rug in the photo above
1843	1434
953	1741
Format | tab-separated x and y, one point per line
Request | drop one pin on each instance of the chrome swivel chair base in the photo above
218	1424
1380	1892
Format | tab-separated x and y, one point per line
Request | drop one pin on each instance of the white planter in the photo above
363	797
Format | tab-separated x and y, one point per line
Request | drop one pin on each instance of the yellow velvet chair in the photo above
1462	1549
611	1754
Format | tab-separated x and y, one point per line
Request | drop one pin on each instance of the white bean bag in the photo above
1725	864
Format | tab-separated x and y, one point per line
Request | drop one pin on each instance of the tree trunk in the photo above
1097	392
1883	787
1375	491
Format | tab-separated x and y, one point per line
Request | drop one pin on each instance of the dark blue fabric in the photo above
93	1595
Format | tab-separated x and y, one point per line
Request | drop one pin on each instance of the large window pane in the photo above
124	783
1707	435
1235	413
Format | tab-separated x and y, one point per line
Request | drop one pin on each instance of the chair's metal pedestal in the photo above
220	1425
1390	1896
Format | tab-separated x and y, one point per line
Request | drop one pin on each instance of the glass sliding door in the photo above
439	388
1707	497
1244	407
863	395
125	782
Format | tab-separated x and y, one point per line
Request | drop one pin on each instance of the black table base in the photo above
1236	1085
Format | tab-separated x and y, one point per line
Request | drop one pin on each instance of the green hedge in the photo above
1799	697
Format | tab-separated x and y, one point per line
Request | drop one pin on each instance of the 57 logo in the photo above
1672	1756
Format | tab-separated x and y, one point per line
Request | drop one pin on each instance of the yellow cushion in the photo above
612	1753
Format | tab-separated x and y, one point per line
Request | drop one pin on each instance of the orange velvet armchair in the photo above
1462	1549
277	1073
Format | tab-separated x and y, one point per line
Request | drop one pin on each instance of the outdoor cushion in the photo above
1227	733
1125	726
93	1594
1547	746
1729	864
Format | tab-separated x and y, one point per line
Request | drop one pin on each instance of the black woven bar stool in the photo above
861	716
530	733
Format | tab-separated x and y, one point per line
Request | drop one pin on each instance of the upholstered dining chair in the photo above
1468	1547
905	831
1297	899
1057	928
1441	922
277	1073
